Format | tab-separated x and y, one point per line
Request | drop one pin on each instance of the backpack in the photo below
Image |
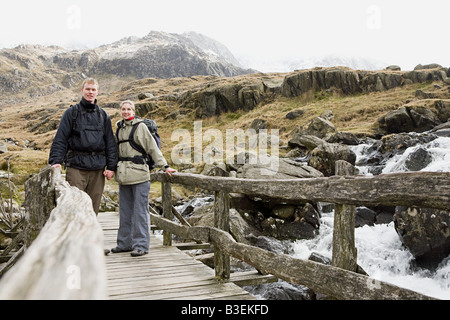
76	109
146	158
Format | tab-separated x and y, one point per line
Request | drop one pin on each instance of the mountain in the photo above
34	70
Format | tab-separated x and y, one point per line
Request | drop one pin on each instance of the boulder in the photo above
220	98
323	157
407	119
425	232
418	160
3	147
344	138
307	141
294	114
321	128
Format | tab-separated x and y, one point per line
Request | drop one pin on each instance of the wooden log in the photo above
40	200
329	280
344	251
251	278
419	189
166	190
222	222
192	233
66	260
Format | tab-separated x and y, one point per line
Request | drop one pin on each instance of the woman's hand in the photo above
169	171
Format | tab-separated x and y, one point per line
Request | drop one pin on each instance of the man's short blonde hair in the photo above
131	103
89	81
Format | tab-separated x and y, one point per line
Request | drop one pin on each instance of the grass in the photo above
357	114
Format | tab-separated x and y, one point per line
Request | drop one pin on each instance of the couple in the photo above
85	143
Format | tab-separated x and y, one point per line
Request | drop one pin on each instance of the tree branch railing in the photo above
413	189
66	258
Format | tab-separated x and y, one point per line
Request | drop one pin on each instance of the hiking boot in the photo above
138	253
118	250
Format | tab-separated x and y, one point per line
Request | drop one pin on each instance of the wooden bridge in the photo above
166	273
66	260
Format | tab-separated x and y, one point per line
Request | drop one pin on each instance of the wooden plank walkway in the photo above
165	273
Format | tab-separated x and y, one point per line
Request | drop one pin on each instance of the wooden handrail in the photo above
333	281
66	260
420	189
413	189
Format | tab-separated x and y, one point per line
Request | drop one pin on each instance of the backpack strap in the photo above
130	140
74	115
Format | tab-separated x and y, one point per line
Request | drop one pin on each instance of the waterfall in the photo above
380	251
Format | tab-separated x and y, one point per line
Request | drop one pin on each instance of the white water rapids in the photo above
380	251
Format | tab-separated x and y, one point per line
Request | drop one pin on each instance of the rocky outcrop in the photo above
217	98
348	81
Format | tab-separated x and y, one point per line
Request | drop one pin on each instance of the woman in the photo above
133	176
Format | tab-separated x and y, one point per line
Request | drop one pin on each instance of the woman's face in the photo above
126	111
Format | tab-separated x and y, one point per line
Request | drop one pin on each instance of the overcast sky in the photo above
399	32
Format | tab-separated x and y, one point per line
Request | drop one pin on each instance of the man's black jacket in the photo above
84	139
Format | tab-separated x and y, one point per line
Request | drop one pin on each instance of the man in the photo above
84	142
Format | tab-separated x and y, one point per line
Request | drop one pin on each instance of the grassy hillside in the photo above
28	127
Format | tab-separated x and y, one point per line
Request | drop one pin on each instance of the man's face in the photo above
90	92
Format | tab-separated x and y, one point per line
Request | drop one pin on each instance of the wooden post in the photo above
344	250
166	190
40	200
222	222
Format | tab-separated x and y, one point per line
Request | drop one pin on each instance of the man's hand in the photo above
108	174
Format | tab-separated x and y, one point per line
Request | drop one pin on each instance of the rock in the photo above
397	121
420	94
344	138
285	212
418	160
218	98
425	232
282	290
393	144
296	230
258	124
281	168
407	119
268	243
294	114
218	170
309	142
3	147
393	68
108	205
321	128
350	81
443	109
323	157
364	216
427	66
